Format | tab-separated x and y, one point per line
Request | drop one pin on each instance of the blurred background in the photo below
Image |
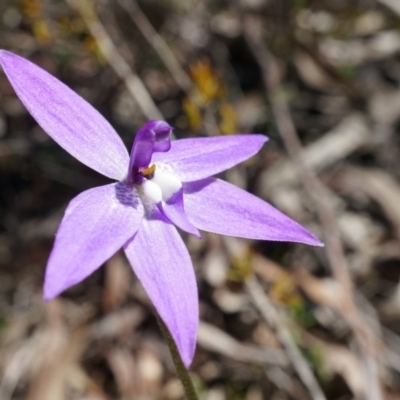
278	321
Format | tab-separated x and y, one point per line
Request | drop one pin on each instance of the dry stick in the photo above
318	195
271	314
158	43
213	339
393	5
132	81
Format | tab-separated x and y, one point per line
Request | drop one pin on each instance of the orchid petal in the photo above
198	158
72	122
174	210
217	206
162	264
96	224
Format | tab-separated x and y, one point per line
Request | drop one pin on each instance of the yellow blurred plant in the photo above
207	82
228	122
32	10
241	267
209	93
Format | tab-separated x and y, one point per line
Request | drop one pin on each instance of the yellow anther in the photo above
149	171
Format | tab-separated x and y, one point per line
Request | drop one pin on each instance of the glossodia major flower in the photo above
160	186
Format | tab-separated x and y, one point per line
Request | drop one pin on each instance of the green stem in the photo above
183	373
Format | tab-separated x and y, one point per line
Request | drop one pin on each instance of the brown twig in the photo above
277	320
158	43
132	81
393	5
273	317
216	340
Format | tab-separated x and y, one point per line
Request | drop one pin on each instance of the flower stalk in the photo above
181	370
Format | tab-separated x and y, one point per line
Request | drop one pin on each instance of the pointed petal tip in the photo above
49	293
309	238
186	346
47	297
190	228
53	288
262	137
311	242
303	236
186	342
187	359
197	234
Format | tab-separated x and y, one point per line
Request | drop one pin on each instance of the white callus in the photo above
150	192
168	183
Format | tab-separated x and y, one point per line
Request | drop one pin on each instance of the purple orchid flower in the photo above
161	186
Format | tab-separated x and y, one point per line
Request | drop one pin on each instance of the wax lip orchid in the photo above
160	186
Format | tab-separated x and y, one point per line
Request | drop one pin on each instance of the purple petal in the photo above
96	224
217	206
174	210
72	122
194	159
163	266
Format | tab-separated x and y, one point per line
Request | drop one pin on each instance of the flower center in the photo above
149	172
158	190
157	186
139	175
154	186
